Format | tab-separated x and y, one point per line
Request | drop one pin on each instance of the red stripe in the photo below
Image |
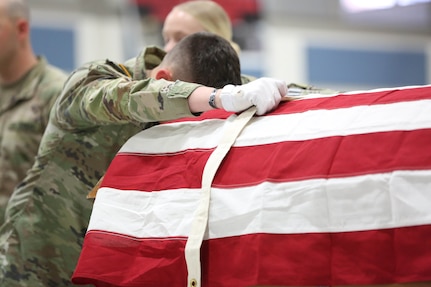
367	257
362	99
334	102
330	157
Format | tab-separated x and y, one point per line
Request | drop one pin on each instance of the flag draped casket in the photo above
322	191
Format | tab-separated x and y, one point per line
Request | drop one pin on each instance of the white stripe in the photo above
367	91
175	137
387	89
389	200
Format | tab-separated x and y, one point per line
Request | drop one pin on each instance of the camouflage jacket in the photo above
24	111
102	105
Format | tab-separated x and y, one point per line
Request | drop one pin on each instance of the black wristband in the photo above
211	100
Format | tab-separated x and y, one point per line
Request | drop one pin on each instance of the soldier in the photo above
102	105
196	16
28	89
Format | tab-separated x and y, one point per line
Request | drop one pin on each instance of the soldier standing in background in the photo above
28	88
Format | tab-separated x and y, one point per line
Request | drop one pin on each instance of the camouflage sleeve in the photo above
98	95
49	89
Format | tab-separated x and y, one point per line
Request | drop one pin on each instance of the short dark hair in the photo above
206	59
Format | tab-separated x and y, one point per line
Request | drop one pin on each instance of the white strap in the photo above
200	221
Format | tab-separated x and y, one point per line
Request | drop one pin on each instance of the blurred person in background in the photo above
28	88
196	16
102	105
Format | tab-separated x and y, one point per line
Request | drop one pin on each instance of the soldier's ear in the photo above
163	74
22	27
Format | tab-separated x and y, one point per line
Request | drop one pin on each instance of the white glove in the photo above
264	93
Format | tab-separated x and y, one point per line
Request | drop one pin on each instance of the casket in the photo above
323	191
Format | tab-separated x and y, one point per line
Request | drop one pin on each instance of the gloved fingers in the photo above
264	105
271	94
264	93
282	87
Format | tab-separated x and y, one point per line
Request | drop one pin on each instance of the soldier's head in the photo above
196	16
202	58
14	32
14	23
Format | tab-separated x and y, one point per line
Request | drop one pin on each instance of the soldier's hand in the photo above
264	93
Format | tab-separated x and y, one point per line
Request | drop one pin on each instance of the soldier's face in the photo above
177	25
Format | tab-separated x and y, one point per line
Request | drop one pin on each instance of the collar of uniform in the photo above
24	88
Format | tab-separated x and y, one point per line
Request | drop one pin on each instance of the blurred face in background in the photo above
8	35
178	24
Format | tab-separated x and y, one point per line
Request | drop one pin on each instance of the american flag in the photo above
328	190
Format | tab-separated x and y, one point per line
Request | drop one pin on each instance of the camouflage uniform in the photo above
99	109
24	111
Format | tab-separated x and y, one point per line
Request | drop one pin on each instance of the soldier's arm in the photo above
91	99
102	95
